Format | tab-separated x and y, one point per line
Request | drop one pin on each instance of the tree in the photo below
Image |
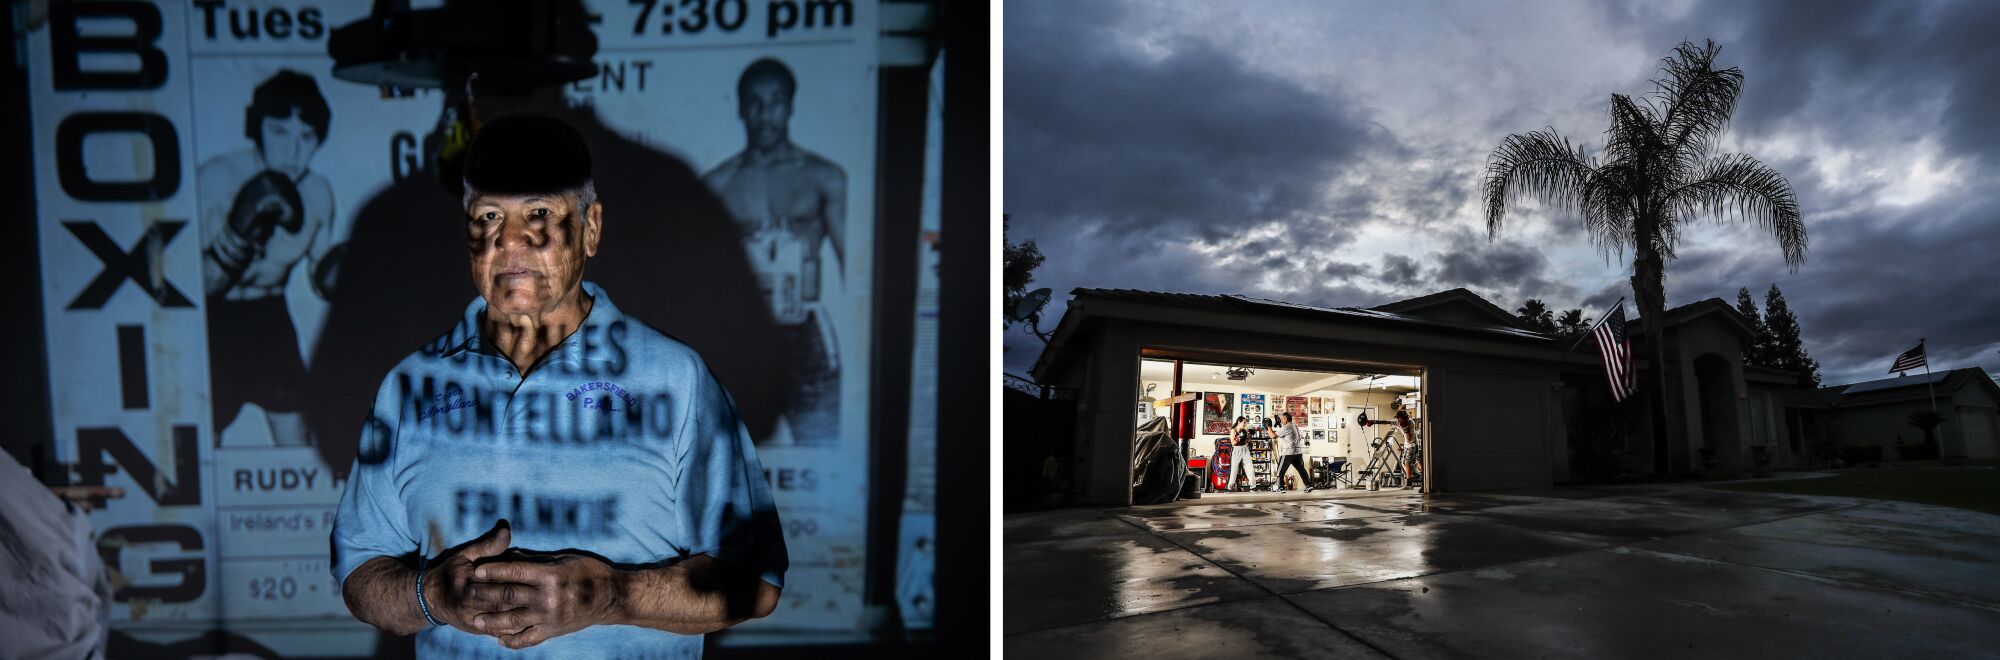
1536	315
1788	350
1656	177
1758	353
1571	324
1018	263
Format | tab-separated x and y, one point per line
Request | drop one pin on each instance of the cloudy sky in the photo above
1331	154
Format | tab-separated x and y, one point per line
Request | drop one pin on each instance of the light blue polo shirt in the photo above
620	443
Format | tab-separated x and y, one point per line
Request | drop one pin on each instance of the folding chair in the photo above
1330	472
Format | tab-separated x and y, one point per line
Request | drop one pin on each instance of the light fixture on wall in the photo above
1240	373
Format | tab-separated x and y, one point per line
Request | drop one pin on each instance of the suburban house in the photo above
1877	413
1499	406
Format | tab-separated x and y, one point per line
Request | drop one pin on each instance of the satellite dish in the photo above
1030	304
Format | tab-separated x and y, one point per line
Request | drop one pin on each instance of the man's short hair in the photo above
529	153
762	69
279	97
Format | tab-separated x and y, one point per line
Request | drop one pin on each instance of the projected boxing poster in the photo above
237	247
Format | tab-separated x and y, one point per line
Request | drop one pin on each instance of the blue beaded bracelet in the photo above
420	599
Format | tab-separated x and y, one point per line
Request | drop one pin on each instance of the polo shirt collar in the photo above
466	338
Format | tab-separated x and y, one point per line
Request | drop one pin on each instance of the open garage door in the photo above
1492	431
1323	399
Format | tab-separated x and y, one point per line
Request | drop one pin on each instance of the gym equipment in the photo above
1157	464
1330	472
1389	451
1385	465
1223	467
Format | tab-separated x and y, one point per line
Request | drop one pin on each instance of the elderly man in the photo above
551	473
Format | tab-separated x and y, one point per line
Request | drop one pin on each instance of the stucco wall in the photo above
1710	335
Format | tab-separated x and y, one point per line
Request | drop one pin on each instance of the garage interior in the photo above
1328	402
1486	389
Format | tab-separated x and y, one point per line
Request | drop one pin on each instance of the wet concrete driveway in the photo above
1624	572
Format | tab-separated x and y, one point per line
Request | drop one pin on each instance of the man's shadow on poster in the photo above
671	257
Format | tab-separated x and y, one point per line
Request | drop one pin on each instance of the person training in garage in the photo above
1288	454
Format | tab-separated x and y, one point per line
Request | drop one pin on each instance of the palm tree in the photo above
1571	323
1656	176
1536	315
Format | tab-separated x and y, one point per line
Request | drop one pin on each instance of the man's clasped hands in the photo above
486	587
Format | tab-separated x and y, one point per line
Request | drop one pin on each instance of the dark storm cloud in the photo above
1883	68
1193	144
1400	271
1597	304
1875	284
1119	162
1343	271
1875	79
1507	271
1143	155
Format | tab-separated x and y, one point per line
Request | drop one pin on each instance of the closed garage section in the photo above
1492	430
1977	425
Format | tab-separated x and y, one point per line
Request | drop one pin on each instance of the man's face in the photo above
288	144
766	110
528	250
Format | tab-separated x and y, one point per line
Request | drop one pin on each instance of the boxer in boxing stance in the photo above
788	203
262	212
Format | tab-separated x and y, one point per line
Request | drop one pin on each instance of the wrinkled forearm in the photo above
693	597
382	593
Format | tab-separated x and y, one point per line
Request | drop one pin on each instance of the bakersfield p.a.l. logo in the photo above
602	395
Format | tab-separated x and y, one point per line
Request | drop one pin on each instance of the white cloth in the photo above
53	590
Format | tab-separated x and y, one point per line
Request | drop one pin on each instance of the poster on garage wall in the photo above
228	408
1217	413
1253	407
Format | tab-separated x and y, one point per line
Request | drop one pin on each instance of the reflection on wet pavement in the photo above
1107	569
1613	572
1627	603
1294	558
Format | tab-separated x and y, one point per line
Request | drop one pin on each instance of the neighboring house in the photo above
1498	400
1877	412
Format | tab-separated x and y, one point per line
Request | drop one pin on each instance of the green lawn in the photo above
1976	487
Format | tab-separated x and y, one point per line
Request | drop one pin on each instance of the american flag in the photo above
1617	353
1910	359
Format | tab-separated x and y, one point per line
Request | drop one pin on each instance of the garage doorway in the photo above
1340	456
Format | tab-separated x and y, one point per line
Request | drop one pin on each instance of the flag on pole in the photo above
1617	353
1910	359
